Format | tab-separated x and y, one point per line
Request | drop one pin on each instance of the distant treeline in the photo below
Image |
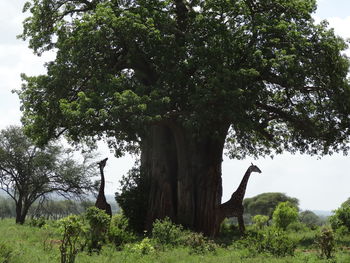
49	209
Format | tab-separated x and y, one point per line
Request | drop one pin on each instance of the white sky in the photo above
319	184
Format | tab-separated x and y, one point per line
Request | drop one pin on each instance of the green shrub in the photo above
297	227
99	223
342	231
260	221
133	197
72	229
341	217
326	243
228	233
37	222
165	233
119	233
145	247
270	240
284	214
199	244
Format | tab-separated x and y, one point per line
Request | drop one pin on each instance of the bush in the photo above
326	243
341	217
271	240
133	197
119	233
37	222
297	227
284	214
228	232
165	233
199	244
99	223
260	221
72	229
145	247
341	232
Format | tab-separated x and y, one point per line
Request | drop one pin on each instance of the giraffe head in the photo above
254	168
102	163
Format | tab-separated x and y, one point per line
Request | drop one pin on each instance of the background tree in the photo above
284	214
266	203
28	173
6	208
310	219
346	203
177	79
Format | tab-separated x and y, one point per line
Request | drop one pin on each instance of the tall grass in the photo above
41	245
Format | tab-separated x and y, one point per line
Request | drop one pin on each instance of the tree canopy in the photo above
28	172
265	69
310	219
266	203
285	214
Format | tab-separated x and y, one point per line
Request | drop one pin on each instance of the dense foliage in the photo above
133	197
72	230
270	240
165	233
99	223
28	173
284	214
341	217
326	243
114	73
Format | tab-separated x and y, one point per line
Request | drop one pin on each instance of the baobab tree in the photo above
178	80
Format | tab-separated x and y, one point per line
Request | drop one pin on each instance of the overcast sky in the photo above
319	184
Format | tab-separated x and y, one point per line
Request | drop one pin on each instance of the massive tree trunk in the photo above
185	174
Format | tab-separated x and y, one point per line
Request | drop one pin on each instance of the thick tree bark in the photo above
158	163
185	174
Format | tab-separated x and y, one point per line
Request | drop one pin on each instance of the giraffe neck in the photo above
102	184
240	192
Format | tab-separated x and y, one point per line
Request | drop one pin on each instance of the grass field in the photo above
26	244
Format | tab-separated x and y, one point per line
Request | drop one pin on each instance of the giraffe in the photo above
101	202
234	206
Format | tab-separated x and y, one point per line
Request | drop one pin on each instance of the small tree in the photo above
99	222
28	172
72	230
326	243
284	214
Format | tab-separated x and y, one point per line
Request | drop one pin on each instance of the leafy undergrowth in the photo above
27	244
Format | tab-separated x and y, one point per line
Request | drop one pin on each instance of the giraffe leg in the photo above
241	224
